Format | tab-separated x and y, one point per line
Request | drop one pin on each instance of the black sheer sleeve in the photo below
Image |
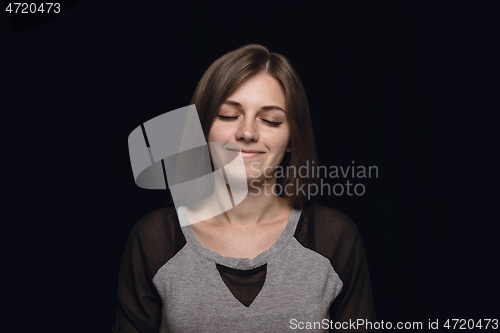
152	242
337	238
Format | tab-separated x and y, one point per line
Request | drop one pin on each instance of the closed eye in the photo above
226	117
275	123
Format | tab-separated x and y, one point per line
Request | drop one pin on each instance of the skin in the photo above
255	224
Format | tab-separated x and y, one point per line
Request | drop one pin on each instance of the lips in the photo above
252	151
248	153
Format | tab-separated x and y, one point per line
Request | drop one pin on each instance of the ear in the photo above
289	146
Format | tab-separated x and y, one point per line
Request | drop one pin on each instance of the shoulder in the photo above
160	222
156	237
335	234
331	221
158	234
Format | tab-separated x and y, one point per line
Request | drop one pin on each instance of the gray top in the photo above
169	282
299	286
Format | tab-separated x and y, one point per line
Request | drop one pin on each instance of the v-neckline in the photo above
238	263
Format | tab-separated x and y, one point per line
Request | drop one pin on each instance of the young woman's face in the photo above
254	118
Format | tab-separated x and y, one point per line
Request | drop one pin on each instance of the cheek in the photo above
216	134
278	141
210	136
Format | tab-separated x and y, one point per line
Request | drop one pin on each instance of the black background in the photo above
410	87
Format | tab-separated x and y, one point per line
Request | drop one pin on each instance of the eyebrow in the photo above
266	107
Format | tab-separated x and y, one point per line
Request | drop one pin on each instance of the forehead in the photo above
258	90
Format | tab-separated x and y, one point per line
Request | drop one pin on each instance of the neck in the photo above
260	204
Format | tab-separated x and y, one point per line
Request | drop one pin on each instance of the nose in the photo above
247	131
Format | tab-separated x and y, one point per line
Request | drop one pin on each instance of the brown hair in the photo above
228	72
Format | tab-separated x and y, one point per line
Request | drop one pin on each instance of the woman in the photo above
272	262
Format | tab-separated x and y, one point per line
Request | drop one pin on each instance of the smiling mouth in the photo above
247	153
